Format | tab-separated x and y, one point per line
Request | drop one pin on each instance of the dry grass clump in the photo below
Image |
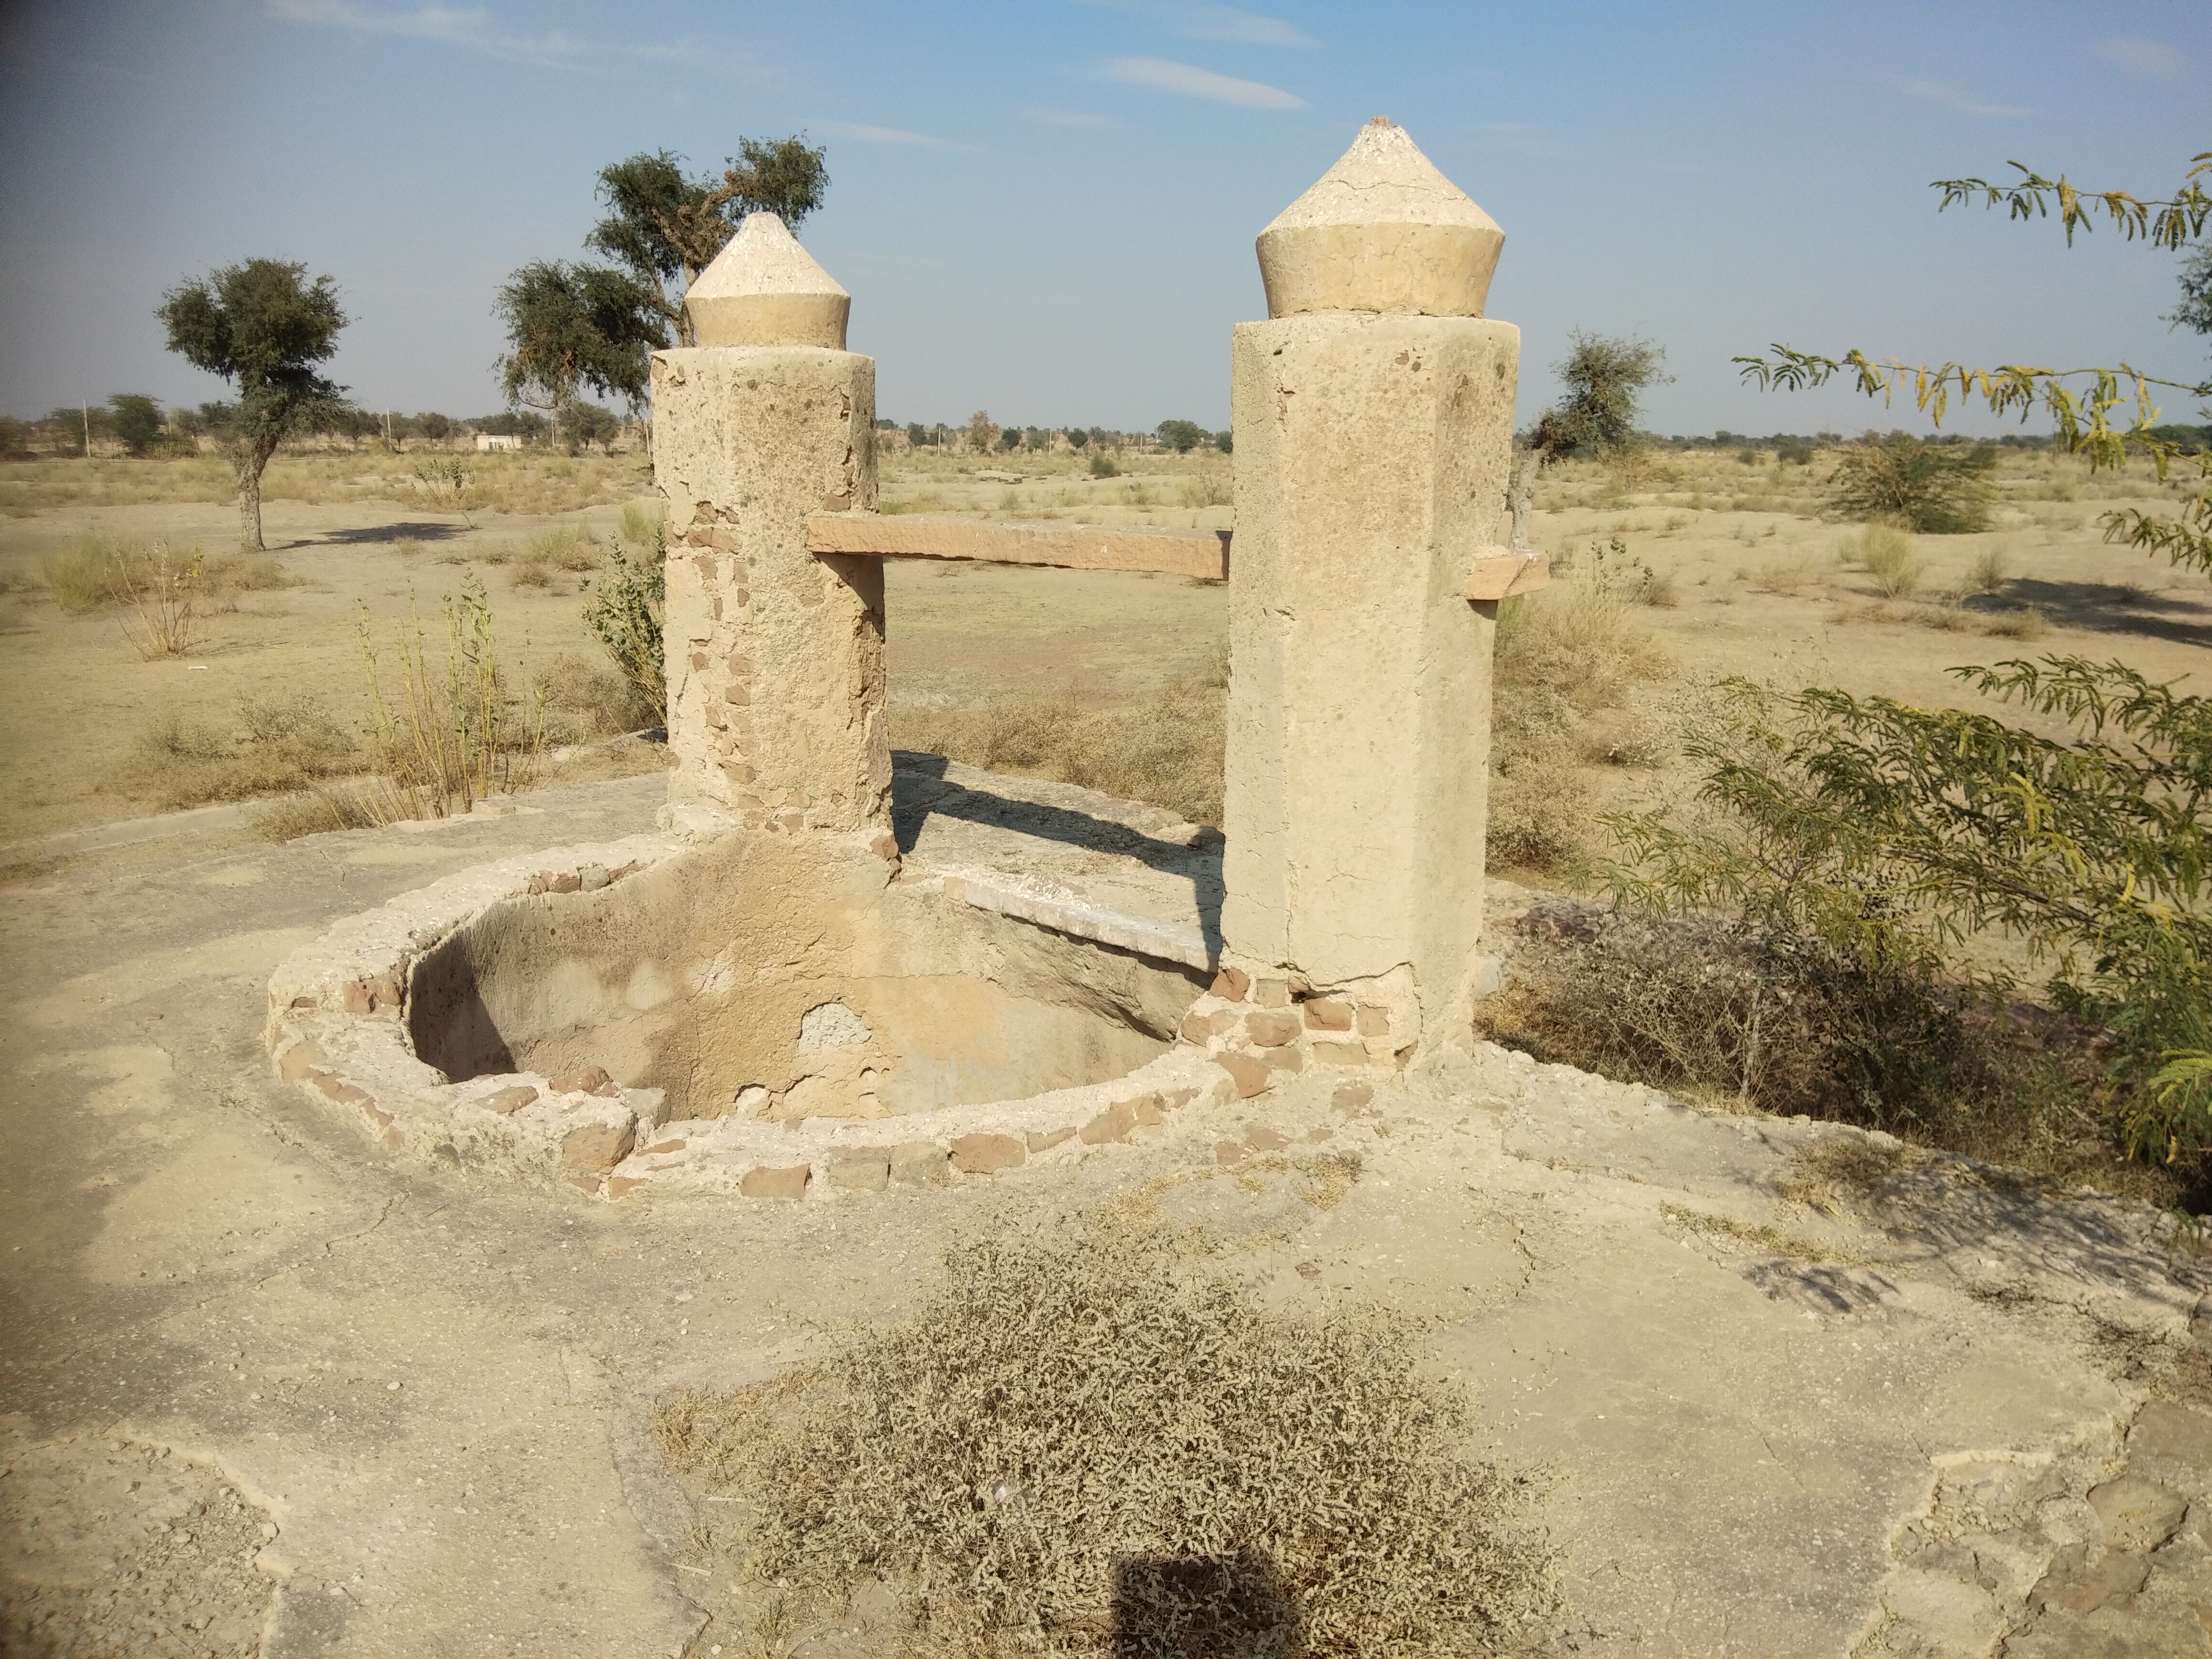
1094	1442
1783	577
1694	1006
535	482
585	699
276	744
1565	655
1169	749
1888	554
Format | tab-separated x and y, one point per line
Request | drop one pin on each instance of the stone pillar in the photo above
1373	414
775	656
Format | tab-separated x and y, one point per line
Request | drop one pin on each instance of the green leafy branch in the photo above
2174	222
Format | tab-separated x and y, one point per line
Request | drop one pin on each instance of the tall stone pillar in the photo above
1373	415
775	656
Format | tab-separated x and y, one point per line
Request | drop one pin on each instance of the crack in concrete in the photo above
383	1211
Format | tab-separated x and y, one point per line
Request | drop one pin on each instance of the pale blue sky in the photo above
1048	209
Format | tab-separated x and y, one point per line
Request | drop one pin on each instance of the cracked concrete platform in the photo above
1924	1409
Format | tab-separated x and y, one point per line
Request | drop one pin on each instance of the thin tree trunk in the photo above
249	465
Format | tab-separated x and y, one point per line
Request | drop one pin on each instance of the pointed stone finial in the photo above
763	289
1382	230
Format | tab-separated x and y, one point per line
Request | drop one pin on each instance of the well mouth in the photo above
771	977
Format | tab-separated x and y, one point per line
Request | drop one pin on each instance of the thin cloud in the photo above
1951	98
472	28
1197	20
2152	60
1067	117
861	133
1191	82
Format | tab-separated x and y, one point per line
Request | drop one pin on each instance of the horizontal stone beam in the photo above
1501	573
1203	553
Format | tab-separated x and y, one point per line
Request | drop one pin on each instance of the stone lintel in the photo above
1203	554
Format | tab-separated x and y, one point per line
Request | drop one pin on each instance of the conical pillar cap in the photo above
1383	231
763	289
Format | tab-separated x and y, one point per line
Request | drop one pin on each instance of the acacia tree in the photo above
1866	836
573	325
262	326
663	227
1605	377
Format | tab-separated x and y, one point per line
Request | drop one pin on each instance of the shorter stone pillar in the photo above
1373	416
775	656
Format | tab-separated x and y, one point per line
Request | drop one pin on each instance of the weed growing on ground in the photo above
625	617
446	741
1095	1441
164	602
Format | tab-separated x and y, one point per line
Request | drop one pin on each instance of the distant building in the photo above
488	441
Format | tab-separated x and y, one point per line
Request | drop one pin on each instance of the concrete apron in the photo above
1773	1430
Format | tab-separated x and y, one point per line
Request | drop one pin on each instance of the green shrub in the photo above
1937	489
1101	466
1861	842
624	615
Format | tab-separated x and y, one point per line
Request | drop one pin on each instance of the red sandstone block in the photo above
986	1154
1230	984
1250	1073
1045	1143
1272	1030
598	1147
585	1080
763	1182
508	1100
1327	1014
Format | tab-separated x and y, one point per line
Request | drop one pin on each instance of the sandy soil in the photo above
1758	589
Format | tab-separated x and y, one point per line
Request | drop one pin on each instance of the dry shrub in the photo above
1680	1004
1564	654
1887	554
529	572
586	699
1169	749
2022	623
640	519
164	601
278	744
1987	572
81	577
566	547
245	573
317	812
1784	576
1095	1441
1691	1004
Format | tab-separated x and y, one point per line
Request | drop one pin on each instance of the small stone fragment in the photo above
1351	1096
2137	1513
299	1059
1260	1139
1108	1125
658	1147
1290	1058
1147	1109
1231	983
598	1147
1044	1143
508	1100
586	1080
988	1154
763	1182
1327	1014
1226	1152
1271	992
1271	1031
1248	1072
564	883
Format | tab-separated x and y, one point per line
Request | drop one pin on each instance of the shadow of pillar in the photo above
1203	1607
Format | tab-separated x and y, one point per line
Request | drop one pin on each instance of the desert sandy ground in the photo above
264	1390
